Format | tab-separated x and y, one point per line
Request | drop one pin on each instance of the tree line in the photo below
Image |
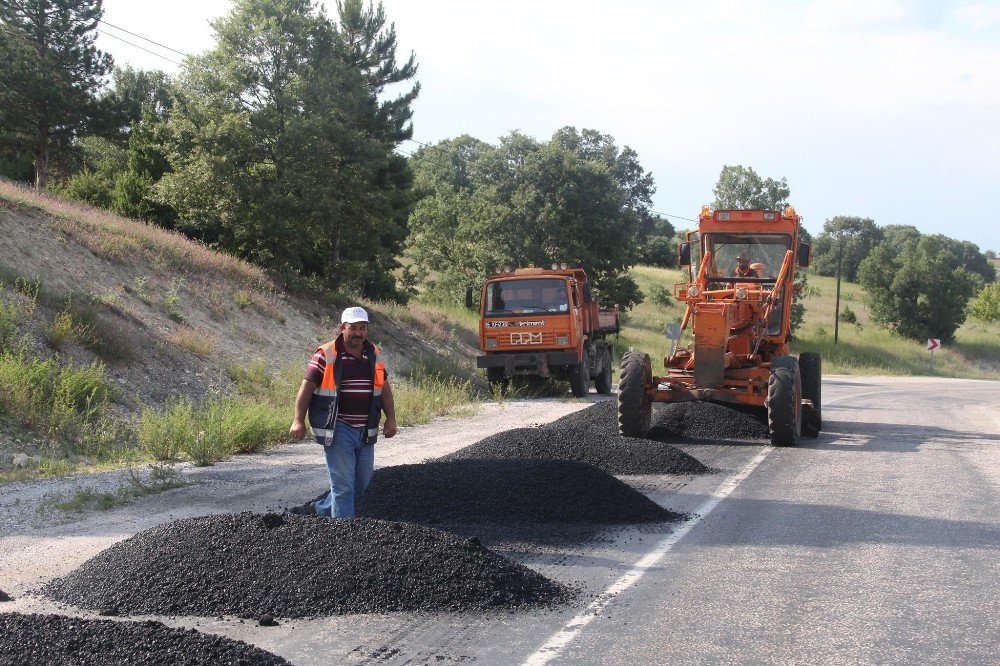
918	285
282	145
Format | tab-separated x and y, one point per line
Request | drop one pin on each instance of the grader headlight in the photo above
693	291
741	293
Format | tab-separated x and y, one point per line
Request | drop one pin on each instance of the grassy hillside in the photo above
123	343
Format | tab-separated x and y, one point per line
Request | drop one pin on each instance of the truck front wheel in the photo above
579	379
498	380
634	407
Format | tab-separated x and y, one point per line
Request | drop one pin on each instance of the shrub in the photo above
848	316
661	295
986	307
164	434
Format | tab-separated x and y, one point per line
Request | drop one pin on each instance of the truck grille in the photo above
528	338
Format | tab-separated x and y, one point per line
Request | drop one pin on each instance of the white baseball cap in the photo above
353	315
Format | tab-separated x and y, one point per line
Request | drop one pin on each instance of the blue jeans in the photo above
349	464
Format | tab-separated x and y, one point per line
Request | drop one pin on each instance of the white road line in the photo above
553	648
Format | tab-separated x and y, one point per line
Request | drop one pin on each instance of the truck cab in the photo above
544	322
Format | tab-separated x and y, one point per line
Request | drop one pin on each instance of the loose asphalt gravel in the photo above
260	566
4	596
706	421
505	491
59	640
591	436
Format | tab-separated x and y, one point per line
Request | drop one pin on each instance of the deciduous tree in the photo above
921	291
577	198
741	187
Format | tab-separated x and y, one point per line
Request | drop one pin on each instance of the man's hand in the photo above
389	429
298	430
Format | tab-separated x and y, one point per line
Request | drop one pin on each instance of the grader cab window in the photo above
768	251
763	253
509	297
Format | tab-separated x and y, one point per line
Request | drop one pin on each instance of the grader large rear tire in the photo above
603	381
784	401
811	369
634	407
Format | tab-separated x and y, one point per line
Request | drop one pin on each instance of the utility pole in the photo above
840	260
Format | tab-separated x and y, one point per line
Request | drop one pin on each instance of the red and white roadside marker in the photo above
932	344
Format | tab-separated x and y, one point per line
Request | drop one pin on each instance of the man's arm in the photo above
298	429
389	407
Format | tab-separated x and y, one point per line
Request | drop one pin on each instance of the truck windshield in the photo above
507	297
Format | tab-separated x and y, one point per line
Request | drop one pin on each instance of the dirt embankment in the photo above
167	316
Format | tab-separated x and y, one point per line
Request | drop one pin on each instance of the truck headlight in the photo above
562	339
491	343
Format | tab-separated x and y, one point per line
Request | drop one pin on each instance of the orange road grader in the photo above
741	271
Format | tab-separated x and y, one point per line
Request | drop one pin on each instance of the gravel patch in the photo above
59	640
505	491
707	420
590	436
254	566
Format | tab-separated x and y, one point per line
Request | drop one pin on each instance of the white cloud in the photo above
979	16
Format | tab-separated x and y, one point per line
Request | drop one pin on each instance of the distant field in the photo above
862	349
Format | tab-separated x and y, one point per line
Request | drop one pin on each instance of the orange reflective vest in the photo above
323	406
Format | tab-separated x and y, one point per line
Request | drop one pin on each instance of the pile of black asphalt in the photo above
509	491
694	421
4	596
589	435
509	503
270	565
59	640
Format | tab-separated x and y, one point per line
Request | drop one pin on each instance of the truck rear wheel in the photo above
603	381
579	378
634	407
811	369
784	401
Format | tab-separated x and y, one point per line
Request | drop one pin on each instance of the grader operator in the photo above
738	296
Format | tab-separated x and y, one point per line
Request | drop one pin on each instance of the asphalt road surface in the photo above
876	543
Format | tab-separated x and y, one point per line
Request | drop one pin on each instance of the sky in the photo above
875	108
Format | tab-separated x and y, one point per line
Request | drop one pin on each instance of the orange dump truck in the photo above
544	322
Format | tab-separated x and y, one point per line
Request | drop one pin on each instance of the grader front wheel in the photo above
784	401
634	407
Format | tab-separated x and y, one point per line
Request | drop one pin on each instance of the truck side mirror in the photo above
588	293
803	254
684	254
468	298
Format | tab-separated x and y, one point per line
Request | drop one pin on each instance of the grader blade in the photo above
711	331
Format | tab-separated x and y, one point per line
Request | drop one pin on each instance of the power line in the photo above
145	39
141	48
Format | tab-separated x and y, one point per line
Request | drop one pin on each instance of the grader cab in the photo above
741	270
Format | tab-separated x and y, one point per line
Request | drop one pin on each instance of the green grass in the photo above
867	349
162	477
427	392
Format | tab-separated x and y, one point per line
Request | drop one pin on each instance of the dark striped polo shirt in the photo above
354	393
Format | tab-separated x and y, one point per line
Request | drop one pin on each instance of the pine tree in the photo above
51	72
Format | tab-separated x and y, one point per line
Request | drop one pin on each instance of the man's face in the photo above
744	263
355	334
